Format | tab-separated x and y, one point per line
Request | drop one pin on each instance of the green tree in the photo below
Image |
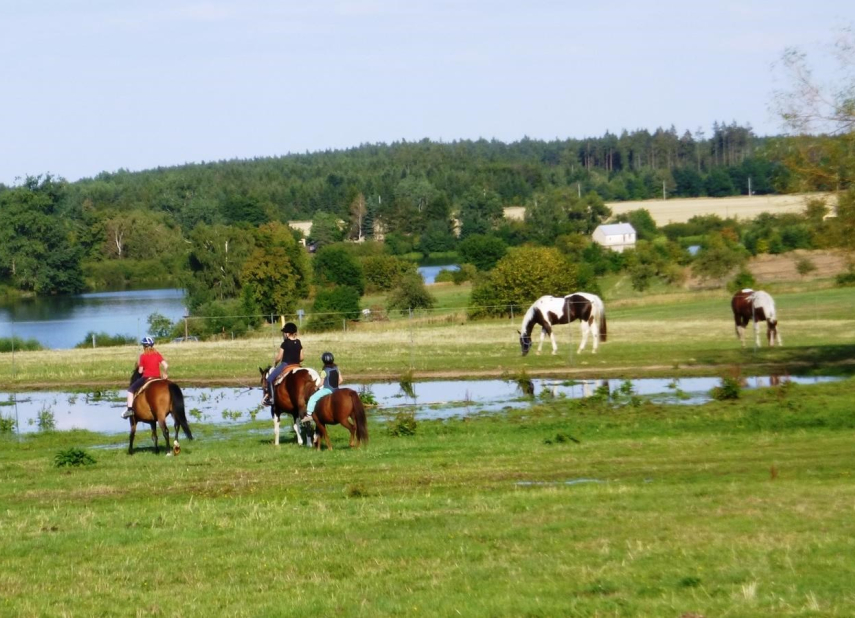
522	276
718	258
332	305
481	250
325	230
277	271
382	272
36	248
410	293
216	259
334	265
480	212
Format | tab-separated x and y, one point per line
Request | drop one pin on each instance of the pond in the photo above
101	411
63	321
429	273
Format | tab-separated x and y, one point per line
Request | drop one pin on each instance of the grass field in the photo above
579	508
604	506
673	334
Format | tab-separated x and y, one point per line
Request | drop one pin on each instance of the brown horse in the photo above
156	400
339	408
290	396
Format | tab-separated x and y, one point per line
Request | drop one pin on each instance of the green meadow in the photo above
611	505
593	507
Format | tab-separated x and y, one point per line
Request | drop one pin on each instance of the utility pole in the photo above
663	190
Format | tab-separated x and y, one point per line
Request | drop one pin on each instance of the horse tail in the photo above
178	409
359	418
604	329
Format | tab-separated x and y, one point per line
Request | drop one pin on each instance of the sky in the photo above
102	85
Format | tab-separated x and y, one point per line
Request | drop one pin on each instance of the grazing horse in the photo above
155	400
340	408
755	306
550	310
290	395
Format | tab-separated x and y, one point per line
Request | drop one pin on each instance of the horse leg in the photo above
154	437
542	336
740	334
165	429
298	431
351	428
595	331
583	326
133	432
326	436
756	334
276	429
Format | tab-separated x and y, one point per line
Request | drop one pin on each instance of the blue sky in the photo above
99	85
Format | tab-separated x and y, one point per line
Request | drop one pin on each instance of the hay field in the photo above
681	210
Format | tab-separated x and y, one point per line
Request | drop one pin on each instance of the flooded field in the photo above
101	411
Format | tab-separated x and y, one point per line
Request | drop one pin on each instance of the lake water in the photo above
441	399
429	273
63	321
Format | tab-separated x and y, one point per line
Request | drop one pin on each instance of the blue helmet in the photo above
147	341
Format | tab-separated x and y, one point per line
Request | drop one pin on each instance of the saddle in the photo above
292	368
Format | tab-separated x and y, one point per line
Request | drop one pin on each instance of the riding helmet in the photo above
327	358
290	328
147	341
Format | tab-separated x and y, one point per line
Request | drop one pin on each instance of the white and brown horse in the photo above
755	306
550	310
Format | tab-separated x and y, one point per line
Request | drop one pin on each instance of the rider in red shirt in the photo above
149	366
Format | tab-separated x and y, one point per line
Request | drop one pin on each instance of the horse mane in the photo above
528	321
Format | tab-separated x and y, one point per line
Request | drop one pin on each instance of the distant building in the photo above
615	236
514	213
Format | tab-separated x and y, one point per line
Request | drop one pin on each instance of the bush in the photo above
382	272
105	340
846	279
8	344
7	425
466	272
805	266
444	276
743	279
404	424
73	457
335	265
728	390
410	293
522	276
333	305
159	325
221	319
482	251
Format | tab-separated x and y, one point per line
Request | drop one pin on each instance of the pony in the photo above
755	306
339	408
550	310
290	395
155	400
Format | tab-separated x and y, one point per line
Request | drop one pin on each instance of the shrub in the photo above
7	425
846	279
159	325
8	344
466	272
333	305
444	276
743	279
404	424
410	293
482	251
46	420
73	457
335	265
382	272
729	389
522	276
105	340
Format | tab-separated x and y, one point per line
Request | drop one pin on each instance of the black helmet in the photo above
290	328
327	358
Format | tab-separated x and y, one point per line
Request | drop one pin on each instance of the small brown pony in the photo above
160	398
339	408
290	396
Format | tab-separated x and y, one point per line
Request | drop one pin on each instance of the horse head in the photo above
772	332
525	342
264	373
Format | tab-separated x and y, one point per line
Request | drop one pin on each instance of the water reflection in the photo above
63	321
101	412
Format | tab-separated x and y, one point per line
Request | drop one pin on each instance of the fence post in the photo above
93	341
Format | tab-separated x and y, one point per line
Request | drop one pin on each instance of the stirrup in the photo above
128	413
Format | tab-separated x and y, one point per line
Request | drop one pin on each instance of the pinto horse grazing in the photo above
755	306
290	395
340	408
550	310
155	400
